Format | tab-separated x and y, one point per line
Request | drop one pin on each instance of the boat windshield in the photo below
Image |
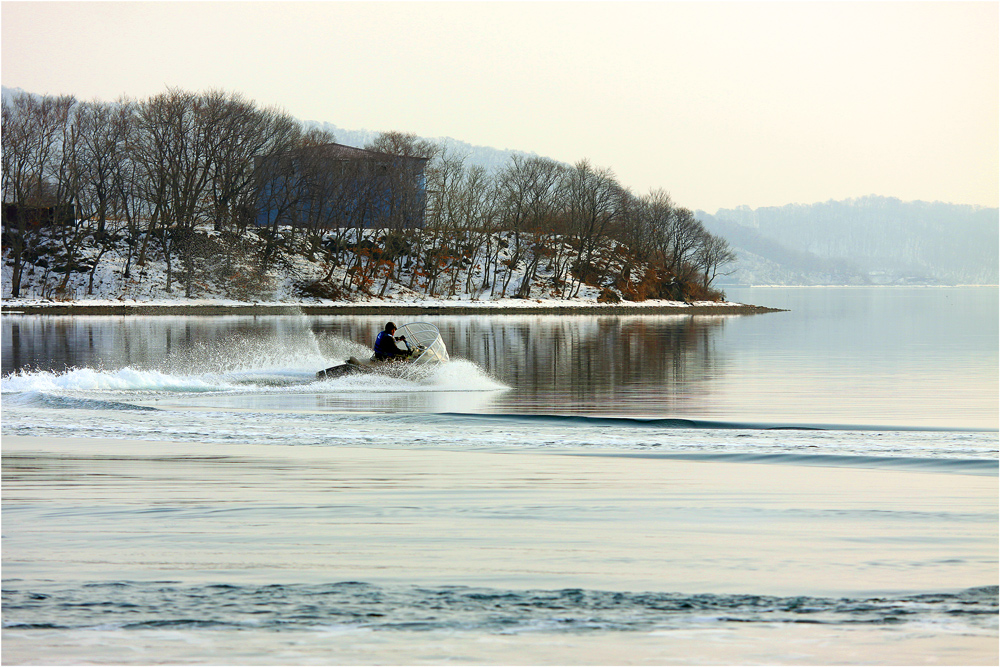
426	339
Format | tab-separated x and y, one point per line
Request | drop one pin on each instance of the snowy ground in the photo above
414	300
41	287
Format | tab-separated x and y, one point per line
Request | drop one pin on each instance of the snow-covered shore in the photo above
109	289
369	306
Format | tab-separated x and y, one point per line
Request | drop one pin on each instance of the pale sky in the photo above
719	104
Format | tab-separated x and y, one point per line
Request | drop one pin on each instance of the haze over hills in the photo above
869	240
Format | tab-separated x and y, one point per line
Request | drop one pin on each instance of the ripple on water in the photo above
363	606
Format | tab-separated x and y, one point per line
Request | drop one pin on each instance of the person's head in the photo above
390	327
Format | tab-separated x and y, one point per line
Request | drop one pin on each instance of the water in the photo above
350	605
905	357
769	488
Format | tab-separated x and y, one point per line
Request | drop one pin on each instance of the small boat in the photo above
423	342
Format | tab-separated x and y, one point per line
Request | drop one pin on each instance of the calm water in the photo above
549	482
907	357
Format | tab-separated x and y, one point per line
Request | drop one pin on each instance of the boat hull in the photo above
340	370
423	341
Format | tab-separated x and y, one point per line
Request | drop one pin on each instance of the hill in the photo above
869	240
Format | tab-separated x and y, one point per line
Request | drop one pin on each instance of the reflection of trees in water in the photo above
53	343
172	344
591	358
550	352
576	359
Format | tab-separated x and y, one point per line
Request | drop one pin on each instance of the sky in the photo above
719	104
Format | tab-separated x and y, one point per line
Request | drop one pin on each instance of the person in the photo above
385	344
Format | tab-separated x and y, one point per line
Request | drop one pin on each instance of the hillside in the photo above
340	270
867	241
236	200
870	240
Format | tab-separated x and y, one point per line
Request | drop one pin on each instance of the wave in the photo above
700	424
456	375
44	400
953	465
364	606
100	380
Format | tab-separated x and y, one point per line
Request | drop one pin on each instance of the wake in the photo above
452	376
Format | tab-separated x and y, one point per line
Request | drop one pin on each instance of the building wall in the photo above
317	189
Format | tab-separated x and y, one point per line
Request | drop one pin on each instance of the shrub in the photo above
608	295
319	290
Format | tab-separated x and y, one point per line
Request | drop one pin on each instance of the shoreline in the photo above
377	308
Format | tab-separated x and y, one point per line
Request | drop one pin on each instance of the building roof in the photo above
344	152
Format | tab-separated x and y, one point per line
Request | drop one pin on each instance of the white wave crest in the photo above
454	376
120	380
463	375
457	375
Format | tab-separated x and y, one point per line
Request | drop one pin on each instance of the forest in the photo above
178	179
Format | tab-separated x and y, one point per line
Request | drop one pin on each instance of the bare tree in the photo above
544	219
445	217
530	195
713	253
482	202
477	209
102	148
684	234
637	228
21	179
176	141
403	180
403	144
33	129
593	202
133	207
239	135
101	157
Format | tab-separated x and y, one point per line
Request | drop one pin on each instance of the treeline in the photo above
181	177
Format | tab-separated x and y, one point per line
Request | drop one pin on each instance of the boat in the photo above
422	340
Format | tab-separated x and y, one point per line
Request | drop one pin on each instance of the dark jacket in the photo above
385	347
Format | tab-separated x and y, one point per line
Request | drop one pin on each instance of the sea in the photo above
811	486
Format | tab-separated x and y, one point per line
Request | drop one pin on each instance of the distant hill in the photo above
492	159
869	240
10	92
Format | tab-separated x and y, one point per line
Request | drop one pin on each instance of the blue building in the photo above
333	185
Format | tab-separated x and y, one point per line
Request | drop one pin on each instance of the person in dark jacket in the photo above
385	344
